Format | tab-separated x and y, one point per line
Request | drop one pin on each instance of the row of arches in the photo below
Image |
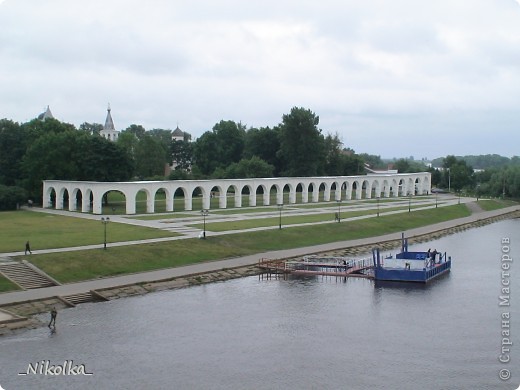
88	196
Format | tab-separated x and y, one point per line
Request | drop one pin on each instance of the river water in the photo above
297	333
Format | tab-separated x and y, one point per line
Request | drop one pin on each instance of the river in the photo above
295	333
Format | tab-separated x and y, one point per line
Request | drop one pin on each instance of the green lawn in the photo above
7	285
83	265
494	204
56	231
289	219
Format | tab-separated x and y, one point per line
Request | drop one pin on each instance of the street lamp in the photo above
449	180
378	206
105	222
280	207
409	201
504	187
204	213
436	196
339	210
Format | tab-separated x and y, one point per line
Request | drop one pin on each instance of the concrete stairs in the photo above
89	296
26	275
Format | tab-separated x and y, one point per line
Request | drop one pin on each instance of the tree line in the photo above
49	149
459	176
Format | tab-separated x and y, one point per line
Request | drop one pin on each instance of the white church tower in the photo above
109	131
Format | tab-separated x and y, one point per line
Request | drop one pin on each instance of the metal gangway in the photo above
320	265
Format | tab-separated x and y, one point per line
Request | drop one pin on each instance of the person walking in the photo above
54	313
28	248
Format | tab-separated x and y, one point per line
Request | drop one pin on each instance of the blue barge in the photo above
408	266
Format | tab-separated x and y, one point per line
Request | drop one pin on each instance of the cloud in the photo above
364	67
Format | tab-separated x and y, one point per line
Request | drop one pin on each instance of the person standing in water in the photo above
54	313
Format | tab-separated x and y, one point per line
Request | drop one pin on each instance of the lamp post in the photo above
504	187
449	180
378	206
280	207
105	222
204	213
409	201
339	210
436	196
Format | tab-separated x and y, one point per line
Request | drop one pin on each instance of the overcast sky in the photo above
392	78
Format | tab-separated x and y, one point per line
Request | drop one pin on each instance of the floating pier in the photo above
319	265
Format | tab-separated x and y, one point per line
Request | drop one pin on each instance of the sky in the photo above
391	78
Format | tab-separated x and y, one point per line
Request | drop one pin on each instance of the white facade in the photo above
334	189
109	131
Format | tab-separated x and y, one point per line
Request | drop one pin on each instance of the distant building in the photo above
46	115
177	135
109	131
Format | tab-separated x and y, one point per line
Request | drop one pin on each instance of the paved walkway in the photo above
75	288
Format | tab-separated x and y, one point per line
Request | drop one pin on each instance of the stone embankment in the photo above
24	314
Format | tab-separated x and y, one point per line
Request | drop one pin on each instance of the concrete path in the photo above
75	288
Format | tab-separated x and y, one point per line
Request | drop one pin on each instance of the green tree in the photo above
352	163
73	155
249	168
182	154
36	128
11	197
373	161
13	143
99	159
151	156
301	144
263	143
457	174
137	130
230	142
333	155
91	128
206	154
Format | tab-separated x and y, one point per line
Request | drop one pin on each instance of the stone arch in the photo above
204	195
288	193
247	191
179	198
233	196
298	192
375	189
217	197
324	191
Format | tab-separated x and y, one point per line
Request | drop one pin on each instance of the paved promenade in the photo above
75	288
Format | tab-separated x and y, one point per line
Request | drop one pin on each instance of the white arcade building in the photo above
88	195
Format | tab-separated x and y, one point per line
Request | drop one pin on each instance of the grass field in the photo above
83	265
56	231
495	204
288	219
7	285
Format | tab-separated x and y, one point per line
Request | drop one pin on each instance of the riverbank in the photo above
23	313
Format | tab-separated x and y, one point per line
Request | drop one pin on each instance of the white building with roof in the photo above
46	115
109	131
